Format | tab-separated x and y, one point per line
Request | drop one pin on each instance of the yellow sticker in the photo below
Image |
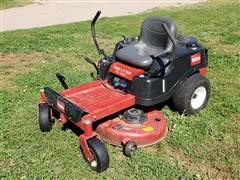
148	129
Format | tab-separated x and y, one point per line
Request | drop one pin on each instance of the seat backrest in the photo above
154	35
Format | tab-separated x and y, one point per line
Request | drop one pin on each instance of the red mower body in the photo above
97	100
125	71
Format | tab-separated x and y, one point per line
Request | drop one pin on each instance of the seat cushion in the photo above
137	54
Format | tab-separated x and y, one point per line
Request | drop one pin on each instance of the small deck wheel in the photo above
129	148
45	118
100	155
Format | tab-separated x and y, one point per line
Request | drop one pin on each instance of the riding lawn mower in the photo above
121	105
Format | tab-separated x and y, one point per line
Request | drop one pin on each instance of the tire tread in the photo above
100	153
181	98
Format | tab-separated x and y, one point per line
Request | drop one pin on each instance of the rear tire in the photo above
100	155
45	118
193	95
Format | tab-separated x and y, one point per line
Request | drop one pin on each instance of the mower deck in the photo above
118	131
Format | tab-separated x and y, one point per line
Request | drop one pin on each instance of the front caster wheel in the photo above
45	118
129	148
192	95
100	155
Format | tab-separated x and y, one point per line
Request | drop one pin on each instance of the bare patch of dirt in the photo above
237	33
181	158
152	149
223	47
13	64
20	62
6	84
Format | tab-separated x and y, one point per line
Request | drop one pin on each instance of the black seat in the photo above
153	41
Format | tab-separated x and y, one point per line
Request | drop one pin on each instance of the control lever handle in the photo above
92	63
61	79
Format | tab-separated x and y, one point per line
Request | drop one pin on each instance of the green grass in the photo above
206	145
5	4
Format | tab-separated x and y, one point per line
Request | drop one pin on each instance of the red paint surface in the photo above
134	132
98	100
125	71
203	71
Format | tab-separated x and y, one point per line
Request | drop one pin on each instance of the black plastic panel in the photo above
71	111
150	91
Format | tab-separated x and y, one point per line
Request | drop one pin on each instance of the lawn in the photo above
206	145
5	4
